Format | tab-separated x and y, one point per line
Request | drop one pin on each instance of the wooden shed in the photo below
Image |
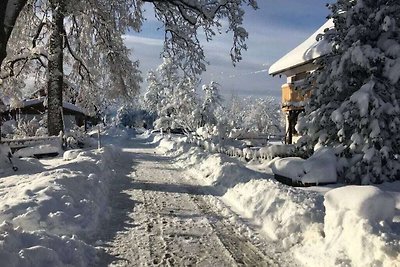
73	115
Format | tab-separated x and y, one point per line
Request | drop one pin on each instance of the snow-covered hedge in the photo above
238	150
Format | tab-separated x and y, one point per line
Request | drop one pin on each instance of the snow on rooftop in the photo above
69	106
309	50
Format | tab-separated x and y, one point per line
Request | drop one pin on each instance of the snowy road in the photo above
161	217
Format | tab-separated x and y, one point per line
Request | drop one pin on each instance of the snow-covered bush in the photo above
8	127
78	138
355	106
26	128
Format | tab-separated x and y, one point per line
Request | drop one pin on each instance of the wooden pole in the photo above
98	137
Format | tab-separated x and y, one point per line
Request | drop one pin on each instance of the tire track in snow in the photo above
239	246
174	224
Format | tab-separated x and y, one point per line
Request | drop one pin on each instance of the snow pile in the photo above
48	211
349	226
358	230
319	168
223	172
21	248
172	145
39	150
286	215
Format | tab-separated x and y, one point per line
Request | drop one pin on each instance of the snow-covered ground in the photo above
50	206
320	226
169	199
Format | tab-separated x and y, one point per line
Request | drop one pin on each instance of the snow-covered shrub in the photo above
28	128
8	128
78	138
272	151
355	106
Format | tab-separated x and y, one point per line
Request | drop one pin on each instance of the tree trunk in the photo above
9	12
55	71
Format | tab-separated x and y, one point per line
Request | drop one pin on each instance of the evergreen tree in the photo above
355	105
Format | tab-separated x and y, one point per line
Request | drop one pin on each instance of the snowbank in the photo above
284	213
39	150
321	226
21	248
358	230
48	211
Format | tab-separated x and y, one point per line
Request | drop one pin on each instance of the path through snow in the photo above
161	217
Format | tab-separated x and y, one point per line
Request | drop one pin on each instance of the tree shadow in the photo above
121	205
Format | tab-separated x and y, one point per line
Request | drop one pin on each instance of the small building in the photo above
30	108
296	66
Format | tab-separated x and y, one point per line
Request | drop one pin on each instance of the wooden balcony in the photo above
292	98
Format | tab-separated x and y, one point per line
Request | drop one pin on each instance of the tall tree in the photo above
92	35
56	69
355	106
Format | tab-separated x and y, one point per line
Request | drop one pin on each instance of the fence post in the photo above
98	137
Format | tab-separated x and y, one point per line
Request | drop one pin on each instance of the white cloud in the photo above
132	40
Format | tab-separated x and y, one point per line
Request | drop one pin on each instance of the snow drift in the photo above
48	211
321	226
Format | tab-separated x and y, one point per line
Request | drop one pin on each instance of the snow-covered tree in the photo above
255	116
134	116
263	115
154	93
91	33
355	105
86	37
235	111
171	95
186	102
212	99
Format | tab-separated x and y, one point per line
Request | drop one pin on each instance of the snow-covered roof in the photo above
307	51
66	105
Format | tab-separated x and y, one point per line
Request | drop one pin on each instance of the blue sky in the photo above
274	29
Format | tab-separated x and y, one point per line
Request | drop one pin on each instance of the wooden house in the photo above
296	66
29	108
